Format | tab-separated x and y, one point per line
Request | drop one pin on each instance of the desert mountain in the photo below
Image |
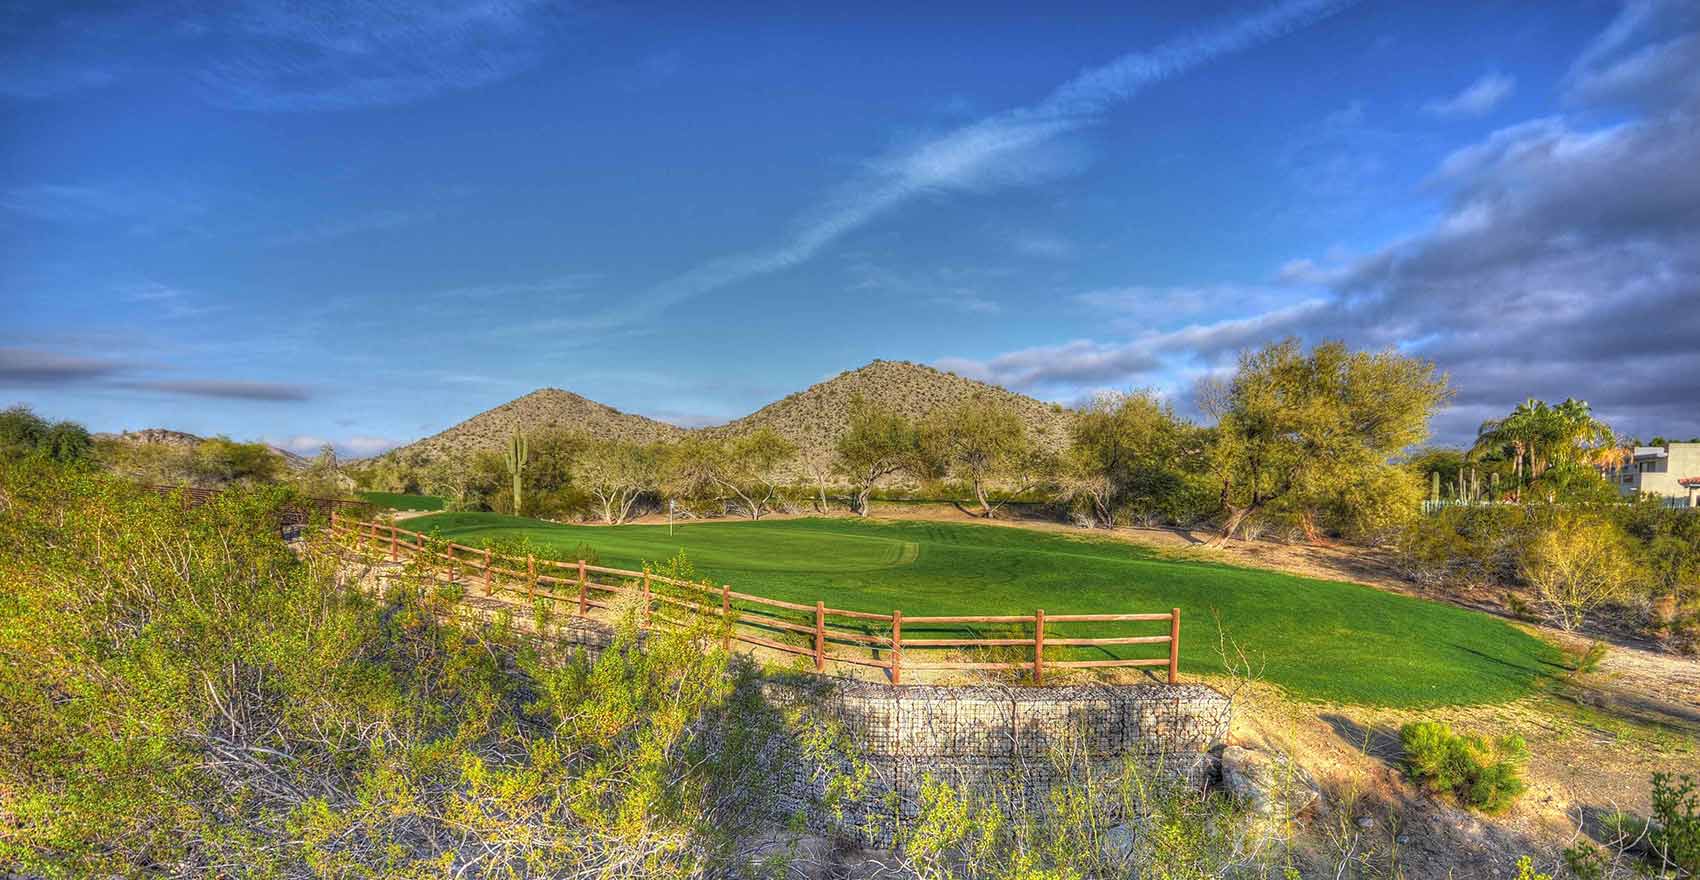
547	409
814	417
811	418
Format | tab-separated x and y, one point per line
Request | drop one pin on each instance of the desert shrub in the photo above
1483	773
181	694
1577	563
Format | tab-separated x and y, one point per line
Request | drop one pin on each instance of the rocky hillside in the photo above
812	418
547	409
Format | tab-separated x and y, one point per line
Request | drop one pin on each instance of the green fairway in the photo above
1324	640
401	501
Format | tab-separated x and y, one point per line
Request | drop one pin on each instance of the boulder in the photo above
1268	783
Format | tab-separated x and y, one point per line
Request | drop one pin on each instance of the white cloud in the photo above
1477	99
1088	362
357	446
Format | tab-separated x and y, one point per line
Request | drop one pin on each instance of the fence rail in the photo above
826	633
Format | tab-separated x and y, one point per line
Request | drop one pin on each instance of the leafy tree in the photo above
1301	429
617	474
1126	448
1579	562
879	442
983	442
24	434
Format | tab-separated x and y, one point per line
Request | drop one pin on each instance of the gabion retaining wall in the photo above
1016	743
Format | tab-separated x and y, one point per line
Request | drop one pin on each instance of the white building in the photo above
1671	471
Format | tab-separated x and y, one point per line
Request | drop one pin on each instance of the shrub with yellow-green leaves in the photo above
181	694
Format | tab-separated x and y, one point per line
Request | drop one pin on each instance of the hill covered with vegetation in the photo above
811	419
543	410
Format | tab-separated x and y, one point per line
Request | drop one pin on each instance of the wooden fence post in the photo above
333	521
394	550
820	636
646	597
1174	645
1039	646
896	646
726	611
531	572
487	582
583	591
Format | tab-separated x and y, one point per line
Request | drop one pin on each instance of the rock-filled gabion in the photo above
1013	744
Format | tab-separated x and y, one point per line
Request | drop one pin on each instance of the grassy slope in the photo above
402	501
1325	640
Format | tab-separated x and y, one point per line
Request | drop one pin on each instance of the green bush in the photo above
1673	837
1480	772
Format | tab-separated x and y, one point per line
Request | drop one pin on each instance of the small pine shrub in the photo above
1483	773
1590	659
1586	861
1673	837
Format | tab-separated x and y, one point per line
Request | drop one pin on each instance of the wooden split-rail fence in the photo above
760	621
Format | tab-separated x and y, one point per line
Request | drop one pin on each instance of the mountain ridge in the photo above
811	418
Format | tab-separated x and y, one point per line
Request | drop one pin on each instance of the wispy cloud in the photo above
1016	147
260	55
1046	245
1088	362
51	369
165	300
371	221
559	284
24	366
221	388
1477	99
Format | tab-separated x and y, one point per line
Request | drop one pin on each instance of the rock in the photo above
1268	783
1366	822
1118	843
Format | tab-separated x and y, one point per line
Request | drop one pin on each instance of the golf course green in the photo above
1317	639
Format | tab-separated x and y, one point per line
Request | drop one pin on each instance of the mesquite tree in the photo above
878	443
983	441
618	474
1316	432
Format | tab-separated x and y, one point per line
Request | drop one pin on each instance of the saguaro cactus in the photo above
1434	485
518	452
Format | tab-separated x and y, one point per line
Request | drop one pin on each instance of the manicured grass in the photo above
401	501
1322	640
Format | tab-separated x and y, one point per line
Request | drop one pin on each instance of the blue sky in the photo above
364	222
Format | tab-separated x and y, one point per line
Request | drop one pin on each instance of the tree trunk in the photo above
986	511
1236	517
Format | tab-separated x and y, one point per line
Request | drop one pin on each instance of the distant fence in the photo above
760	621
